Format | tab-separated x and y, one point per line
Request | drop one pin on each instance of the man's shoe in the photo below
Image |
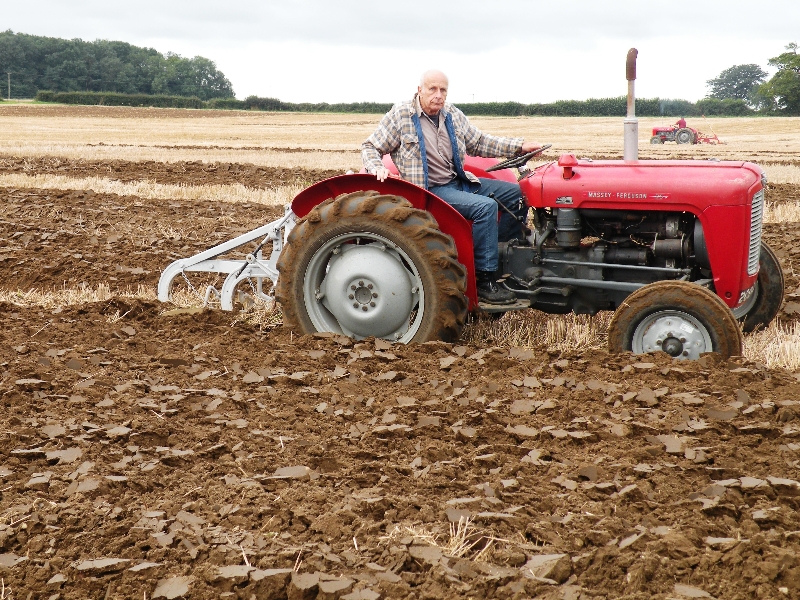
490	292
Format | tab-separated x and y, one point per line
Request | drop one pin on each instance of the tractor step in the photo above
501	308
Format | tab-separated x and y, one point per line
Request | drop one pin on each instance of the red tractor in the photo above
682	135
674	247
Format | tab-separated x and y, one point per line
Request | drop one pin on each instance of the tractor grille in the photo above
756	216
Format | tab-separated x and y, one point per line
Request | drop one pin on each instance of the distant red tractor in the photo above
682	135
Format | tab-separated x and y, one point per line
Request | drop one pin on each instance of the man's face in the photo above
433	93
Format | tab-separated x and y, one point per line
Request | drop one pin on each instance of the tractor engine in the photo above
604	229
587	260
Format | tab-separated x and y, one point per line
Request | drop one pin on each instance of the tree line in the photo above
45	63
748	84
593	107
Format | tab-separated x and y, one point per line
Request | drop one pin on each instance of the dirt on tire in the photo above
431	253
671	298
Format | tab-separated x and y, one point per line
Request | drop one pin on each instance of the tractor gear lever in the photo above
524	231
507	210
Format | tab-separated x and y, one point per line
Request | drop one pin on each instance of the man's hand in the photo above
529	147
382	173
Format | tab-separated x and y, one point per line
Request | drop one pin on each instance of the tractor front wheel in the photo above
365	264
656	139
767	297
680	318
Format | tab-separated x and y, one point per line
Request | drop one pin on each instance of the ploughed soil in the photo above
112	112
175	173
139	112
55	238
186	454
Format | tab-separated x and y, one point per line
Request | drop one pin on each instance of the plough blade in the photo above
255	266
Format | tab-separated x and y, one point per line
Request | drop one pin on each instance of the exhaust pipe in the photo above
631	148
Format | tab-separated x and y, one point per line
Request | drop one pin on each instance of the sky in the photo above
357	51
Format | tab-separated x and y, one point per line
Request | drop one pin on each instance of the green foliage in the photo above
270	104
601	107
595	107
781	94
561	108
729	107
650	107
226	104
114	99
671	108
45	63
273	104
739	82
505	109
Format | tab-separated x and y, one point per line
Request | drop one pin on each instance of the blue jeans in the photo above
482	211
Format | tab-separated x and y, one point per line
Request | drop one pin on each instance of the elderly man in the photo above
428	139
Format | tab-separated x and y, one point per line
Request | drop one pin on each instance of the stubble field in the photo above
149	452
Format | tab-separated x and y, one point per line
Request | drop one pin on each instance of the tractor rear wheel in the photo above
765	302
680	318
365	264
656	139
684	136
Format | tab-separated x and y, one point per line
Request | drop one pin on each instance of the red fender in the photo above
448	219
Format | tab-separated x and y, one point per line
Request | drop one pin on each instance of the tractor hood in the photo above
690	185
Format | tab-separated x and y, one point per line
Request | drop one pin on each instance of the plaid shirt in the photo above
397	135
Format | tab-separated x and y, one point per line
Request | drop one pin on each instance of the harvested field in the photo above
163	452
172	173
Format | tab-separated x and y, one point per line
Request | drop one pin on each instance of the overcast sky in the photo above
349	51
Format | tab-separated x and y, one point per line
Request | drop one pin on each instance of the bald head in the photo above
432	74
432	91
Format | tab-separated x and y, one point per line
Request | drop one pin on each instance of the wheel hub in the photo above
672	346
363	294
368	290
675	332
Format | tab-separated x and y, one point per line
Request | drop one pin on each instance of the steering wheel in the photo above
517	161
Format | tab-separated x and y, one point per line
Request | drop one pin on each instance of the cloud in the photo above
348	50
469	26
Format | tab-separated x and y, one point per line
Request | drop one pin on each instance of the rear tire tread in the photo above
417	226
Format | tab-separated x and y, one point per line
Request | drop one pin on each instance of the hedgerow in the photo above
593	107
